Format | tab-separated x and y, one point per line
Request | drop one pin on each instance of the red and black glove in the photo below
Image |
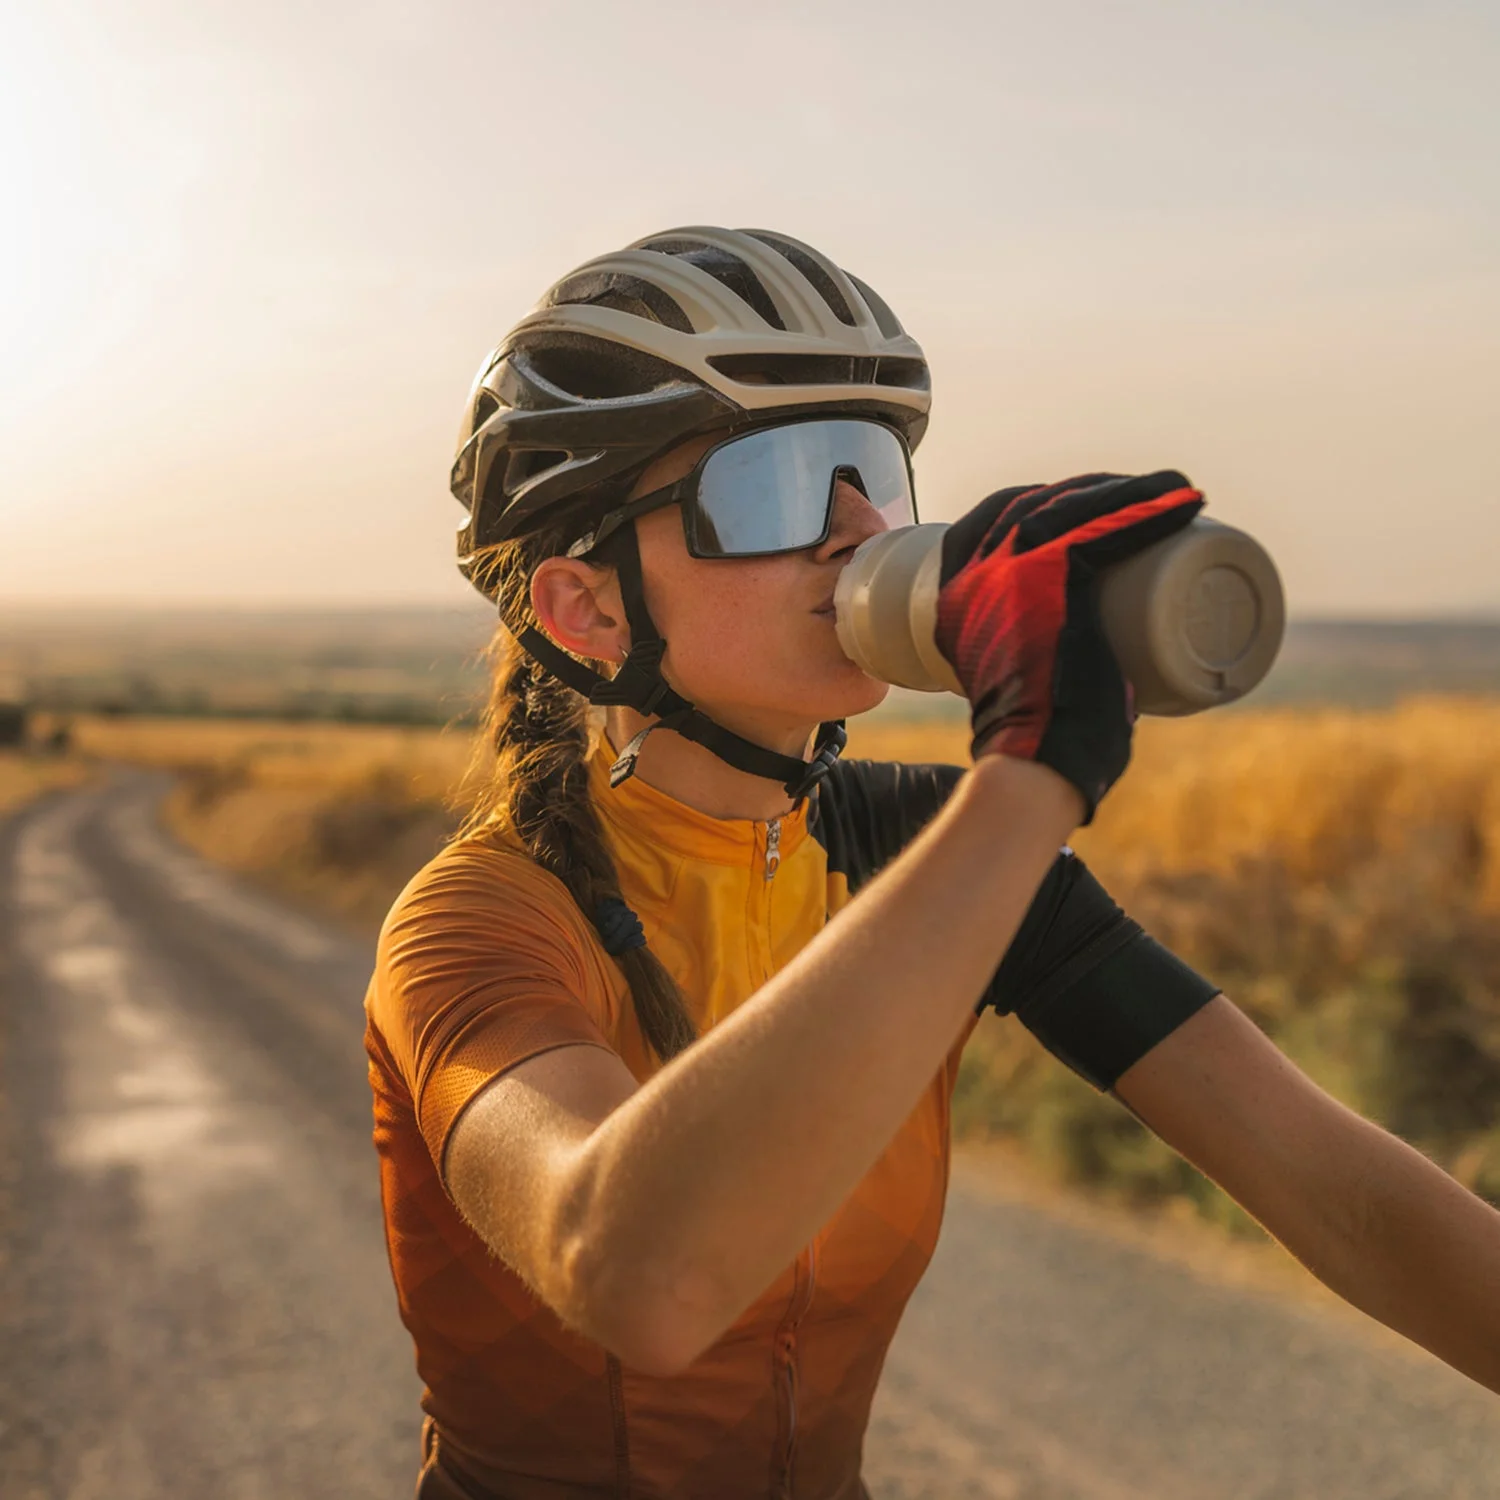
1018	617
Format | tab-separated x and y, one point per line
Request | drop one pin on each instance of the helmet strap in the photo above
639	684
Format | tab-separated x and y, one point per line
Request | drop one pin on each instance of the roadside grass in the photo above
25	775
1337	871
336	816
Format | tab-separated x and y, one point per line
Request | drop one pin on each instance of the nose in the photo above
854	521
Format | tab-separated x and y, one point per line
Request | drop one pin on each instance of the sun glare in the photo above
44	246
67	214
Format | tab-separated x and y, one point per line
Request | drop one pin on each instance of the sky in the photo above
251	256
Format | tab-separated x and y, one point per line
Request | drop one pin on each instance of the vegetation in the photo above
24	775
1337	871
336	816
1338	874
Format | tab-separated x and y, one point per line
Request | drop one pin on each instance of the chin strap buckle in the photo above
624	766
831	740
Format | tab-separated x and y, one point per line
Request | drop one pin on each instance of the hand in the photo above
1019	621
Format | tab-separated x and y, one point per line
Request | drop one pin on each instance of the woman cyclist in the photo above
663	1127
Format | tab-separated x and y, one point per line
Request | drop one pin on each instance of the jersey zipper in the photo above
765	860
786	1368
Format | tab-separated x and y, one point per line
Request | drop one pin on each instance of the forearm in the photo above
1427	1259
698	1190
1368	1215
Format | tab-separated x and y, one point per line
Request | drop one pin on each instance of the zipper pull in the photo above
773	847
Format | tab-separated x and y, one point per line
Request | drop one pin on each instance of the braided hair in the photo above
529	779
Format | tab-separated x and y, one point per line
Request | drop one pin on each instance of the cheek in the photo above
744	633
727	624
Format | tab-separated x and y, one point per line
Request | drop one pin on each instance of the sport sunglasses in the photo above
771	490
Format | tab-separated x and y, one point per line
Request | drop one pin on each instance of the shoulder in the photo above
479	874
484	948
865	812
482	899
483	962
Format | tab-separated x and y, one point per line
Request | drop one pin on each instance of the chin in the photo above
870	701
849	693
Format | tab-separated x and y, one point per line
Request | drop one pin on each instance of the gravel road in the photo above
196	1301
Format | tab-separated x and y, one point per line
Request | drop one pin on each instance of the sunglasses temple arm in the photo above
615	519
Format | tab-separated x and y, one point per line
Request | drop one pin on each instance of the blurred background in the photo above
251	258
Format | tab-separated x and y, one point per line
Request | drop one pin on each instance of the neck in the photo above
697	777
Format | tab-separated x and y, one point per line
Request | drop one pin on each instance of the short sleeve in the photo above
483	962
865	812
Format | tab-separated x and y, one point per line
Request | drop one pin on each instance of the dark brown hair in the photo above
529	776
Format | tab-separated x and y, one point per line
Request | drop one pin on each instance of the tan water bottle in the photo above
1194	621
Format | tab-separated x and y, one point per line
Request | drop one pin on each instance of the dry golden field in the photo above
1338	872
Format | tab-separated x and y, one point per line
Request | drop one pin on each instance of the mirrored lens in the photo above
771	491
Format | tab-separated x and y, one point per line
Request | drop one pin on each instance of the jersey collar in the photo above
640	813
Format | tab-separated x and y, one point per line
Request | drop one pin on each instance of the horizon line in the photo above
473	603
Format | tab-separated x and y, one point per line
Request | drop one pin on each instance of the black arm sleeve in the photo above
1089	984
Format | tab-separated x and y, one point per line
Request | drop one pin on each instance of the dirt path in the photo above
196	1301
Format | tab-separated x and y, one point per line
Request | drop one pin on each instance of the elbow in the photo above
641	1314
622	1280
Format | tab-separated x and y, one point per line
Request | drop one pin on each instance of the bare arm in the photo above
651	1218
1365	1213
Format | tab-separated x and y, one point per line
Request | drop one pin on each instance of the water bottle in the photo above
1194	621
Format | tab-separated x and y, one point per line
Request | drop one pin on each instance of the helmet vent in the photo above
909	374
485	407
590	369
528	462
626	294
725	268
826	286
885	319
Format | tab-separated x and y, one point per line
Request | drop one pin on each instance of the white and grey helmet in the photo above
688	331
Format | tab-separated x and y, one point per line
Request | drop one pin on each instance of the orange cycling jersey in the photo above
485	961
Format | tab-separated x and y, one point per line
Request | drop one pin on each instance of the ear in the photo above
578	605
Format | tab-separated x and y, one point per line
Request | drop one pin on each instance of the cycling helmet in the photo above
688	331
